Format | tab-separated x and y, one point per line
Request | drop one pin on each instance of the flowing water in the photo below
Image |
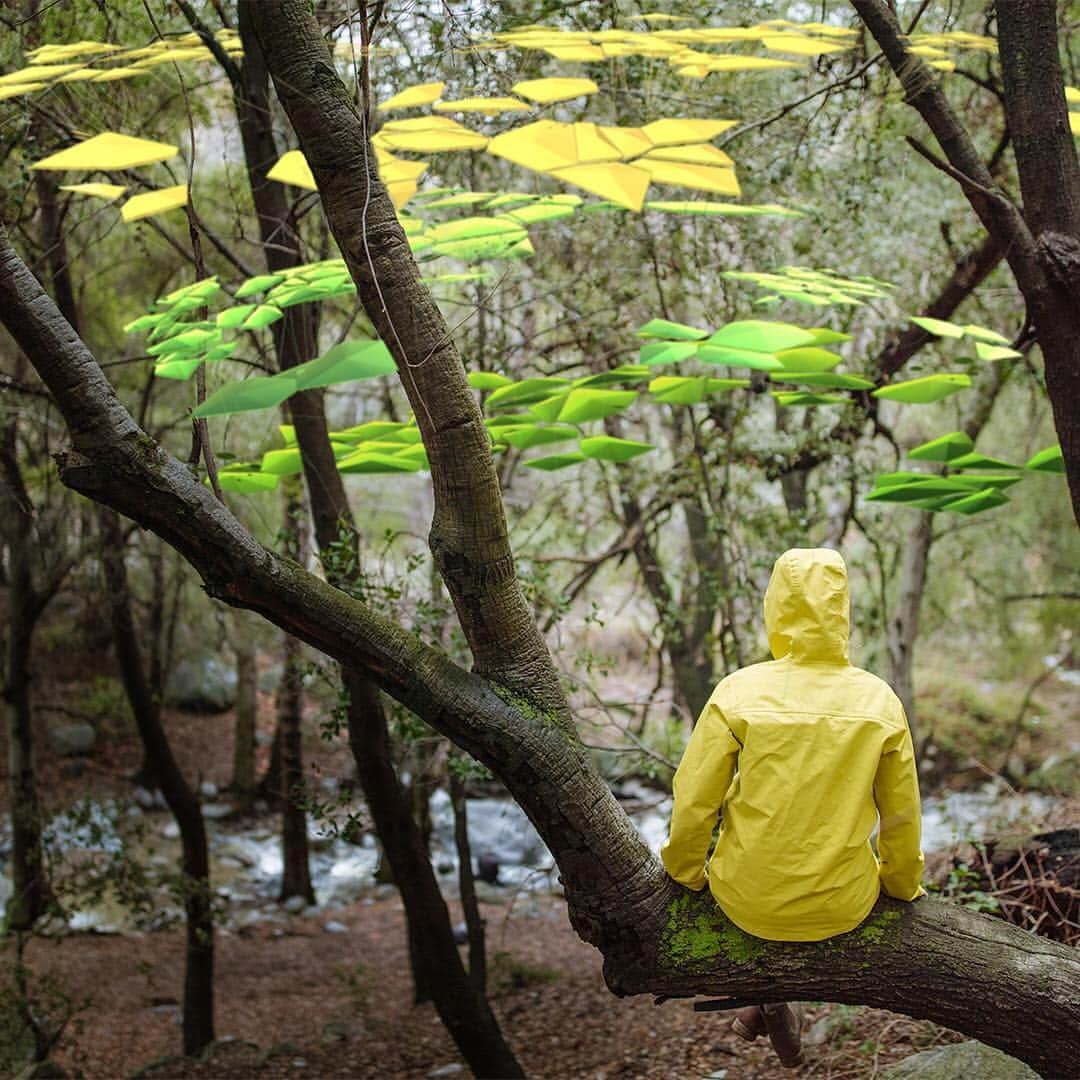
246	855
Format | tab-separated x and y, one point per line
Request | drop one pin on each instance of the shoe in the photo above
784	1022
749	1023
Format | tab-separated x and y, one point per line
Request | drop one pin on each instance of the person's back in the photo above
799	756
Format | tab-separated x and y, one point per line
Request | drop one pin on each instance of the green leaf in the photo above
910	487
487	380
824	336
1050	460
285	462
234	317
937	327
944	448
259	283
526	391
584	405
367	461
760	336
347	362
608	448
732	357
829	379
666	352
186	343
373	429
549	409
980	461
925	390
981	333
263	316
177	369
672	331
246	482
798	397
556	461
628	373
986	499
247	396
995	352
808	358
680	390
529	435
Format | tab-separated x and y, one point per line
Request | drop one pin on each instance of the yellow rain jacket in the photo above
799	756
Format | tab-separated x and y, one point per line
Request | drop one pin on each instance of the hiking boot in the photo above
783	1022
749	1023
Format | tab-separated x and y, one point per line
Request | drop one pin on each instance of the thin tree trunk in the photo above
198	1009
296	873
269	786
31	895
474	921
243	770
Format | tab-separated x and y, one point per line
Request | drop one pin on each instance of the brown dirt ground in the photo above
277	994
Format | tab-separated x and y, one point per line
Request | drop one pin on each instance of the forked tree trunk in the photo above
436	965
198	1005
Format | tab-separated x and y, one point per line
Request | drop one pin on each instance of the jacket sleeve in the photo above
701	781
896	793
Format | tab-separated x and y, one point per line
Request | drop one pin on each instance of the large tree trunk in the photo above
198	1011
437	967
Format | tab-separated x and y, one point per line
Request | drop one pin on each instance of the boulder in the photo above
967	1059
202	684
73	740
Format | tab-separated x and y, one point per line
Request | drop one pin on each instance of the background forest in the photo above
224	852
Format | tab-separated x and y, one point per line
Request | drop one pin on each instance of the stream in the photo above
246	857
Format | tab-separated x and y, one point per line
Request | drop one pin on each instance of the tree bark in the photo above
183	803
296	873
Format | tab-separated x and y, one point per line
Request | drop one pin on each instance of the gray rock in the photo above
71	740
203	684
461	934
208	789
966	1059
295	904
447	1070
334	927
215	811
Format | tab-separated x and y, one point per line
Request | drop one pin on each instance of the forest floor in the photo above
297	999
302	1002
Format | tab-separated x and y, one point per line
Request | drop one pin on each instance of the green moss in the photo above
697	932
528	708
877	926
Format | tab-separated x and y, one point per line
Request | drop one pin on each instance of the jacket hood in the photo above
807	607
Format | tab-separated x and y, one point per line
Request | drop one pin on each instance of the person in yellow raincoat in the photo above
800	757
